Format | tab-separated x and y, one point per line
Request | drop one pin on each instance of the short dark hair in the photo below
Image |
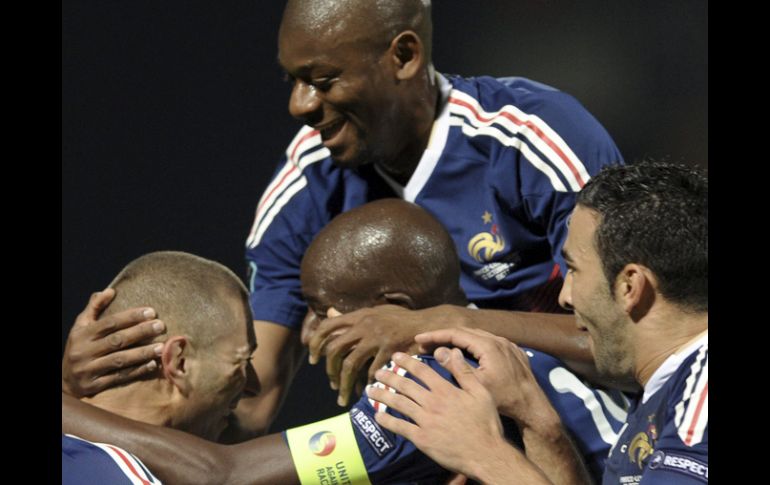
655	214
192	295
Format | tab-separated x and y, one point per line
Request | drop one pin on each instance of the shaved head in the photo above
374	22
388	251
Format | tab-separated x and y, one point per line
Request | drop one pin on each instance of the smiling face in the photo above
343	84
586	292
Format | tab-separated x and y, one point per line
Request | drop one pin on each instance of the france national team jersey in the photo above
389	458
593	417
84	463
504	162
666	438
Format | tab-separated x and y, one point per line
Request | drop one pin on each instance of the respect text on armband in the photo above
374	435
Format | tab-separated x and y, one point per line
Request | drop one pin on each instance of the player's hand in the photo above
503	369
349	342
309	326
103	352
475	425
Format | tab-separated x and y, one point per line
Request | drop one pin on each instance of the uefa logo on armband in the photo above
322	443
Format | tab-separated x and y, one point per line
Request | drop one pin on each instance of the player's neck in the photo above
141	401
401	167
664	334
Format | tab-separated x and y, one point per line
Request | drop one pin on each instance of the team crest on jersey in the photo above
643	444
484	246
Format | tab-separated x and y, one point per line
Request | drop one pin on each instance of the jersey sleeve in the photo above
578	147
274	266
681	452
560	146
286	220
84	462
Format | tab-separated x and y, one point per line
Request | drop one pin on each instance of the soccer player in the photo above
637	254
205	358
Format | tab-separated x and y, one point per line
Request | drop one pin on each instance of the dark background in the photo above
174	115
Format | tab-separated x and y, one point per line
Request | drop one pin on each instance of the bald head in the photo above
374	22
388	251
193	296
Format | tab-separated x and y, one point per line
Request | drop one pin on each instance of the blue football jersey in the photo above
504	162
587	414
84	462
593	417
665	440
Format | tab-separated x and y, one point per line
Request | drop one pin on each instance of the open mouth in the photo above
330	131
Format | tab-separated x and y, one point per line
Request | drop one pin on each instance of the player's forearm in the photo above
552	333
549	447
173	456
178	457
266	460
505	465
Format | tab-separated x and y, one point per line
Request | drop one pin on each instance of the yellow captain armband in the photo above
326	453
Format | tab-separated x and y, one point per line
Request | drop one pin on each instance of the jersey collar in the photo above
436	144
670	365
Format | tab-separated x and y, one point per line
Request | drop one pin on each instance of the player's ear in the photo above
174	359
407	52
635	290
399	298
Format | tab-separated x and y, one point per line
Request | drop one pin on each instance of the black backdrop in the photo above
174	115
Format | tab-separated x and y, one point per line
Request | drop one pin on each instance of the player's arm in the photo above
285	222
278	356
554	334
375	333
321	452
178	457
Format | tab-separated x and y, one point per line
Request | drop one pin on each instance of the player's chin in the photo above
349	157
